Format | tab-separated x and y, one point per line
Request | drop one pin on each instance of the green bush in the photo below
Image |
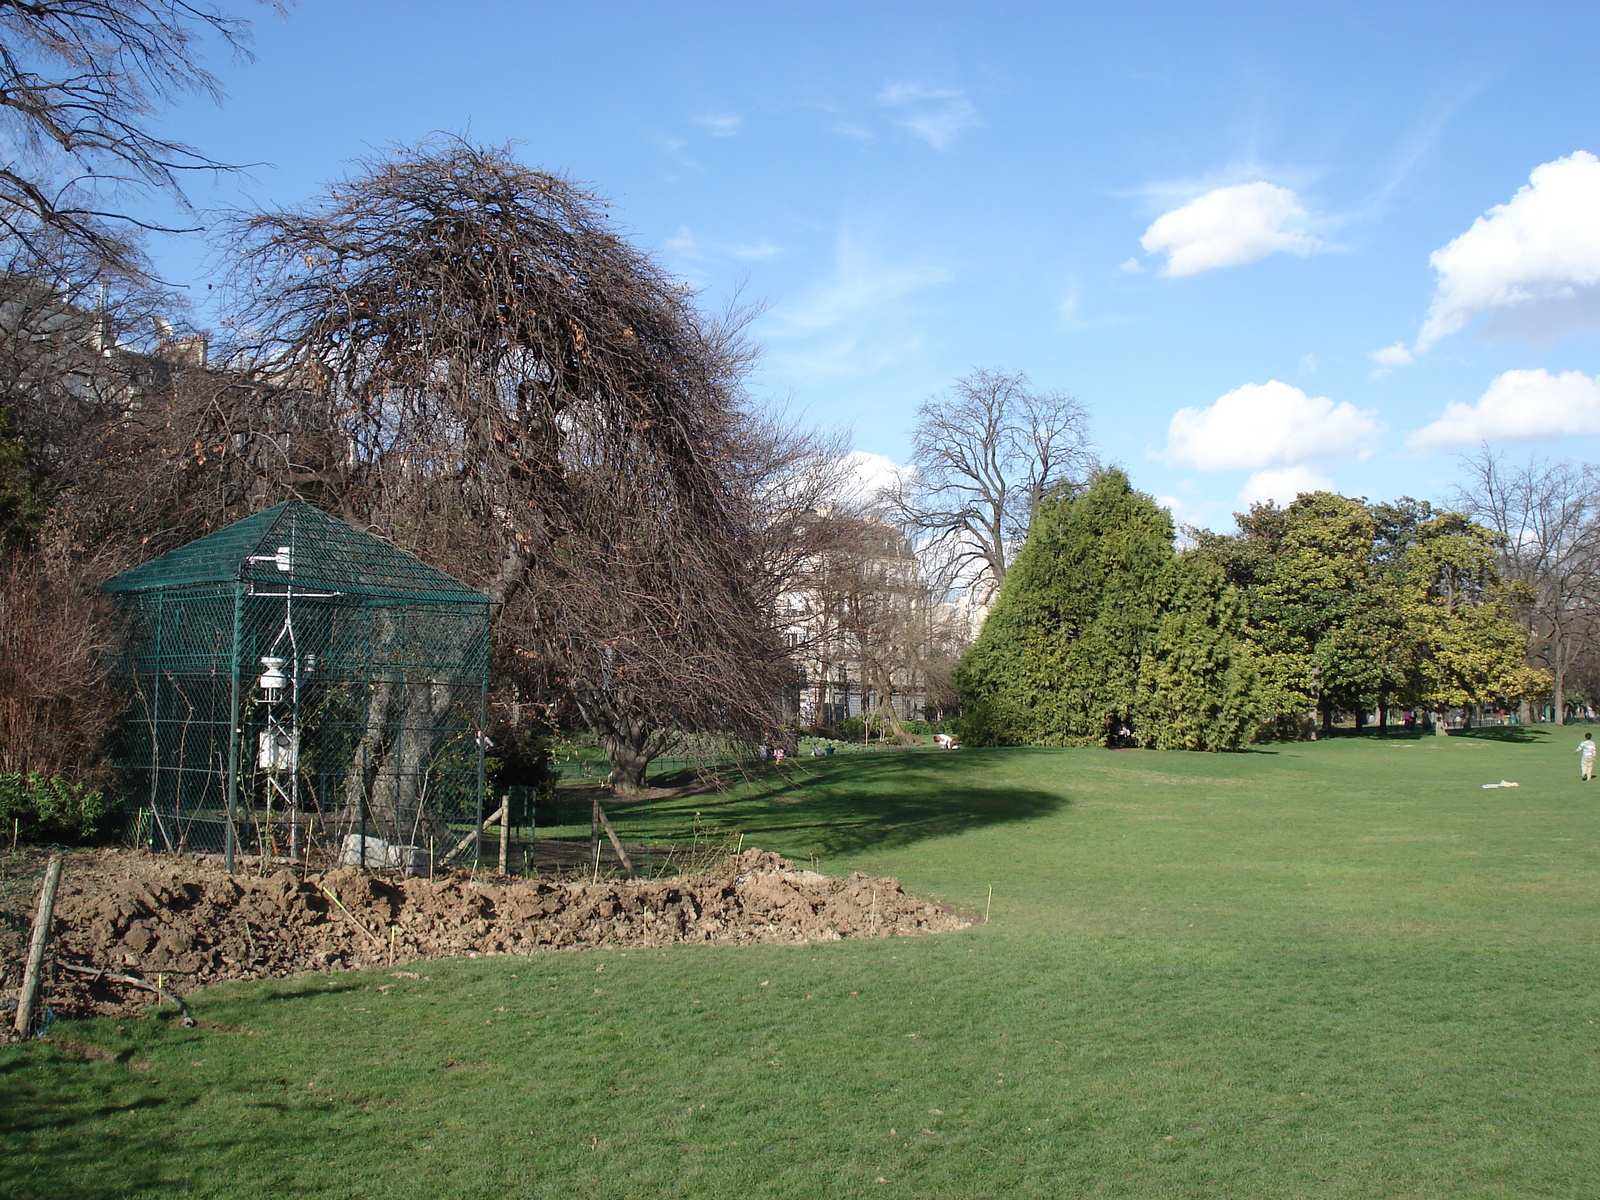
49	808
851	729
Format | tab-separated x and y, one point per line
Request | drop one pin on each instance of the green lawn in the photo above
1328	970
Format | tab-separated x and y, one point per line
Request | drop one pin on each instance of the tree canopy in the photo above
1359	606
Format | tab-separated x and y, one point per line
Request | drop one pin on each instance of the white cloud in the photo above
1272	424
1391	357
868	474
939	116
1228	226
1183	511
1534	262
1282	485
1519	406
1130	267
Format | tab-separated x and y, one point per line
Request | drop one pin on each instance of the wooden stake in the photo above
28	997
616	842
505	831
988	904
350	916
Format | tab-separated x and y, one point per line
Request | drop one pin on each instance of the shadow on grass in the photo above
61	1116
1520	735
852	803
44	1105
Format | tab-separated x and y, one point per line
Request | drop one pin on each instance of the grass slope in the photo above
1334	970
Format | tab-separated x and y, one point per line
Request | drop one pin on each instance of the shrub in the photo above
49	808
57	633
851	729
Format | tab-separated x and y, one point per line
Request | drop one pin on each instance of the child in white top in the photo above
1586	748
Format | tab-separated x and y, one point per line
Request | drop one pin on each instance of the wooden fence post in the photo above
28	998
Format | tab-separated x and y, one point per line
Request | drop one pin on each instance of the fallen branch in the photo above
100	973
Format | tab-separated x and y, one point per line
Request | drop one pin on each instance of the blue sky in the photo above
1203	220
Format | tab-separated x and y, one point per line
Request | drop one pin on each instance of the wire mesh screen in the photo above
296	685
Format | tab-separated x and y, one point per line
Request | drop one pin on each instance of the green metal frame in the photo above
378	733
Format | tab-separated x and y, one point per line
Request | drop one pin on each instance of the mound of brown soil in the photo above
195	924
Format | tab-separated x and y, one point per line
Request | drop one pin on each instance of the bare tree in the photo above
80	81
983	457
530	401
1547	516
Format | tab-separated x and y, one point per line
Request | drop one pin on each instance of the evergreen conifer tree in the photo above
1057	663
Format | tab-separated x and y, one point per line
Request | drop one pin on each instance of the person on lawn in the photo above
1586	748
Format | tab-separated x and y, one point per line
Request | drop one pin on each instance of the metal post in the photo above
155	727
236	727
483	732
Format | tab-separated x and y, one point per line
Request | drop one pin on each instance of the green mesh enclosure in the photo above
298	686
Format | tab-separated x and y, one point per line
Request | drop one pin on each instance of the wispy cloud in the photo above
720	124
938	116
860	287
859	319
689	247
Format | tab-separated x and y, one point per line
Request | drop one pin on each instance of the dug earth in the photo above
196	924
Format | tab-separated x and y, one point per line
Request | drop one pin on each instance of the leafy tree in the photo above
1355	606
1308	580
1471	646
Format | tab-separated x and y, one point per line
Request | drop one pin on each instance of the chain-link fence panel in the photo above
298	686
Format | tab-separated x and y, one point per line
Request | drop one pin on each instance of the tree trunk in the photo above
1438	723
1383	719
1560	696
630	759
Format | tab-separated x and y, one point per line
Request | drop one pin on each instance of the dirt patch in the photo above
194	924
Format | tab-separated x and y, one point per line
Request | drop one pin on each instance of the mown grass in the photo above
1328	970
